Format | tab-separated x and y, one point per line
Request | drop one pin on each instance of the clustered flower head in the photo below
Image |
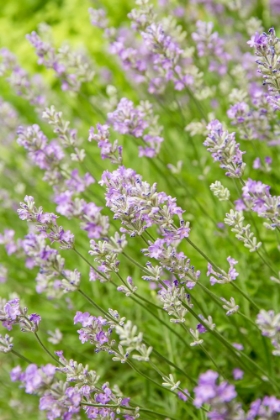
52	278
46	223
174	262
257	197
219	396
98	330
67	184
221	276
110	151
71	67
208	43
30	88
138	205
243	233
269	324
78	391
139	122
106	253
224	149
267	49
12	313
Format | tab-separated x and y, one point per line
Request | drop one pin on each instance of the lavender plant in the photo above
140	220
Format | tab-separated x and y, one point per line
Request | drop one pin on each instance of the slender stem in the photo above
173	365
202	254
133	261
46	350
267	264
21	356
237	354
210	357
147	377
244	295
144	239
95	304
219	270
168	327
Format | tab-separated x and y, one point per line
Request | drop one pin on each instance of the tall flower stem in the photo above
21	356
46	350
219	270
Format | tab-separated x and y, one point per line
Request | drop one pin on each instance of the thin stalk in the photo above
173	365
21	356
219	270
202	254
267	264
211	358
46	350
244	295
95	304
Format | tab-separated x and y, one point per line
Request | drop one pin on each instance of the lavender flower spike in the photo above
11	313
46	223
267	49
219	396
224	149
6	343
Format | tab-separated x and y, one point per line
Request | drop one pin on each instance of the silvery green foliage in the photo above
196	337
267	49
55	336
6	343
174	299
220	191
242	233
133	341
128	289
66	136
106	253
269	324
230	306
170	382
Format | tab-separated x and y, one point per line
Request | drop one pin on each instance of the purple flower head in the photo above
201	329
35	319
83	318
16	374
224	149
258	41
182	395
237	374
128	120
218	396
12	309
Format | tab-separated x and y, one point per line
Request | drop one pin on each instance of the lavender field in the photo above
140	210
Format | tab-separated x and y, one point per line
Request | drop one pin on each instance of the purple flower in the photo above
201	329
224	149
35	319
182	395
218	396
237	374
12	309
258	41
16	374
128	120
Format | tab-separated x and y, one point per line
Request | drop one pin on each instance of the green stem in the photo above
21	356
245	296
45	349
